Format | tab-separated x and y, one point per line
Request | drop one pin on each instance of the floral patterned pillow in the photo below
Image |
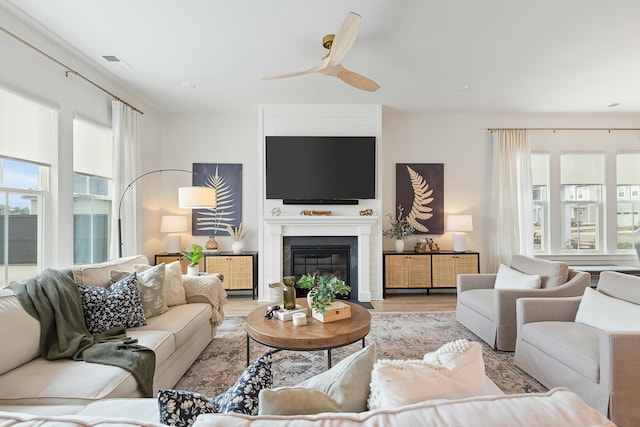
117	305
181	408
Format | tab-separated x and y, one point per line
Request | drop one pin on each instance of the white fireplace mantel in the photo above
304	225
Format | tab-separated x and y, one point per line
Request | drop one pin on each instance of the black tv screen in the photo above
320	168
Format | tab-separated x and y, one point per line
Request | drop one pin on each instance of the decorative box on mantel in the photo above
336	311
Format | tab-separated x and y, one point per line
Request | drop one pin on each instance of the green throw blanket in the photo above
53	298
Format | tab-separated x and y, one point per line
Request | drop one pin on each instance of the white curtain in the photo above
126	168
512	198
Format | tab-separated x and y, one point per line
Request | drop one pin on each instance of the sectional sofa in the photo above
28	382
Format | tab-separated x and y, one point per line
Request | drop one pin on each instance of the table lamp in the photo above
173	224
459	224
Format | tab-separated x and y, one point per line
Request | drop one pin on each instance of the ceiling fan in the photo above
338	45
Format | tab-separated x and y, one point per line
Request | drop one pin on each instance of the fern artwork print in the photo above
226	178
420	194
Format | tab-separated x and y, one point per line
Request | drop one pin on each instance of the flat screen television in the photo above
320	169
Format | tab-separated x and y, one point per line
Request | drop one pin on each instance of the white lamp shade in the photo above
173	224
196	197
459	223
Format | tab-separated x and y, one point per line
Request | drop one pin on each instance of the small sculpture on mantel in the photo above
366	212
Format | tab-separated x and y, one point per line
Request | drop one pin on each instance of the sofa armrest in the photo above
466	282
208	289
529	310
619	361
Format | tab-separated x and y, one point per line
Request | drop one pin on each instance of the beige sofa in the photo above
556	408
559	346
490	313
177	338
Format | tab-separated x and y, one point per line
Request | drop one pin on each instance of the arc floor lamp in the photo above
188	198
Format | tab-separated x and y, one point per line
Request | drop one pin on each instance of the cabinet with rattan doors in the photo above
240	271
426	270
445	267
406	271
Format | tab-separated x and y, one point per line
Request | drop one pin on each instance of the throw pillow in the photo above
151	286
181	408
454	371
607	313
508	278
343	388
118	305
173	284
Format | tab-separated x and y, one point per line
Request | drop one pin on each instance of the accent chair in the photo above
487	302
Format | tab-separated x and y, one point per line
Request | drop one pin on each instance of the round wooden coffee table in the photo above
315	335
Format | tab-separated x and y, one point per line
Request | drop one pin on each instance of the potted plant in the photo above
193	254
322	290
400	229
237	234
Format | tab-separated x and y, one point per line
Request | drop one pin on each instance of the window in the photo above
586	194
92	160
628	203
28	133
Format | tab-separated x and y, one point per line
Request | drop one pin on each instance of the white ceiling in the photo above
565	56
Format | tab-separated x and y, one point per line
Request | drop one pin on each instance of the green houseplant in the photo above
193	254
400	230
323	290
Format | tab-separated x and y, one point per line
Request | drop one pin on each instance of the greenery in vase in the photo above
323	290
400	227
193	254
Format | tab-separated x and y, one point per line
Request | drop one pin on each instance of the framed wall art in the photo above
226	178
420	193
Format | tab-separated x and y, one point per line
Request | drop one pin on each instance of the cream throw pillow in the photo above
343	388
454	371
607	313
508	278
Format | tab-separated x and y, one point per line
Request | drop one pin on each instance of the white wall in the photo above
26	71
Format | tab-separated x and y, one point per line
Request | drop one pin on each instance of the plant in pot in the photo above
193	254
322	290
400	230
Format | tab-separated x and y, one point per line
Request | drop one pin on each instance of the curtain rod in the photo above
555	129
68	69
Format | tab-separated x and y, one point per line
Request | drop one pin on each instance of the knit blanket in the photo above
53	298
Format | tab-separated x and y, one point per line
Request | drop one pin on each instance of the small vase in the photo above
237	247
289	292
193	270
399	245
212	244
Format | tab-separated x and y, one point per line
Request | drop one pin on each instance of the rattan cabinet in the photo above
428	270
167	258
240	270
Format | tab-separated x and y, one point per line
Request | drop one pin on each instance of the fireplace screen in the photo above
325	260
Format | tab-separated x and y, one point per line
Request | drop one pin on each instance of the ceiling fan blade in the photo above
318	68
356	80
344	38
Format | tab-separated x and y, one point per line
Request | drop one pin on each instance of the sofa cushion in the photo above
181	408
20	333
151	285
607	313
183	321
64	381
573	344
479	300
117	305
508	278
556	408
454	371
344	387
98	274
552	273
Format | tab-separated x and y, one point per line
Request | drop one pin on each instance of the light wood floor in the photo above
243	305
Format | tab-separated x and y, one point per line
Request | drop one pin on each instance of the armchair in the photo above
601	366
490	313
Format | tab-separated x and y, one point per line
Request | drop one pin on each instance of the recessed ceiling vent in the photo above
115	60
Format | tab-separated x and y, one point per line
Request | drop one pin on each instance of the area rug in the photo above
396	335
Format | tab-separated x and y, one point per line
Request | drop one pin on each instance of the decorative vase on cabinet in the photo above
399	245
